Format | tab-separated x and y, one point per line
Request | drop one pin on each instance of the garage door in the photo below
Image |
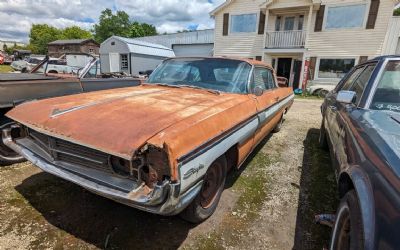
193	49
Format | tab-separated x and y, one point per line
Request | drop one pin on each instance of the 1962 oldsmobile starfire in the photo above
163	147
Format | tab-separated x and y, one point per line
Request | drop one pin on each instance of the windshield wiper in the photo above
197	87
165	85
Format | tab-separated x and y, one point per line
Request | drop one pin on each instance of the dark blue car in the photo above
361	127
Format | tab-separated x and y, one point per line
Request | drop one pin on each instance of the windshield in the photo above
218	74
387	95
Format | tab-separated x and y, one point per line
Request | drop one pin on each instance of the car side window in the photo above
351	79
263	78
361	82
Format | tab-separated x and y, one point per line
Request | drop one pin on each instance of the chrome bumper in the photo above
164	199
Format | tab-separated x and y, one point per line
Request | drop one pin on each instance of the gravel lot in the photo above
269	204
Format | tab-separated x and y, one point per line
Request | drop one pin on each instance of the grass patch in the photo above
5	69
308	96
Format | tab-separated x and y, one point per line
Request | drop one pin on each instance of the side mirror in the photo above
345	96
258	91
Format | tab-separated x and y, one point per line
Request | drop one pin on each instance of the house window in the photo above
335	68
300	23
278	23
244	23
350	16
91	51
289	23
124	62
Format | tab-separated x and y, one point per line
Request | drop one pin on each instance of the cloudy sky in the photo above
17	16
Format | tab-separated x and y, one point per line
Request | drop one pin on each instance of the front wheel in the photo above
348	230
7	155
206	202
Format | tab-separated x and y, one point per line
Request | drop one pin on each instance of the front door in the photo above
263	78
284	66
297	72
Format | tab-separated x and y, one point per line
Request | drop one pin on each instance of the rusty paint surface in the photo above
121	121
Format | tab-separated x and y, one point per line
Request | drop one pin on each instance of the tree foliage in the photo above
119	24
42	34
75	32
396	12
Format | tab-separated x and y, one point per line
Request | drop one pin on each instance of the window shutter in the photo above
313	63
261	24
373	14
320	19
225	24
363	59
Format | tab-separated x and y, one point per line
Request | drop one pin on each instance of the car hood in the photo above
119	121
387	125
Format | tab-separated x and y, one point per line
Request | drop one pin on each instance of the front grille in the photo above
64	151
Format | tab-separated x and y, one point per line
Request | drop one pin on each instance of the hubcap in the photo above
212	182
5	152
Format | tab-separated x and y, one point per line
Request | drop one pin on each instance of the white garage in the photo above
119	54
193	49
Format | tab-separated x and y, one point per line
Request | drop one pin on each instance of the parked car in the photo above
361	126
5	58
163	147
27	64
24	87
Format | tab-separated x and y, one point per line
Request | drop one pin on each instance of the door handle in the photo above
333	108
276	98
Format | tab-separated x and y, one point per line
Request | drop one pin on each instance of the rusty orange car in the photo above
164	146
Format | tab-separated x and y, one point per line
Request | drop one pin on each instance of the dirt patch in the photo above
268	204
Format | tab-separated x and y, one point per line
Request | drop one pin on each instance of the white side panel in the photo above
199	165
114	62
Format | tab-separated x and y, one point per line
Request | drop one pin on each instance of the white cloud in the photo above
17	16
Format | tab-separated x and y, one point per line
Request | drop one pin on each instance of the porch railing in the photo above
286	39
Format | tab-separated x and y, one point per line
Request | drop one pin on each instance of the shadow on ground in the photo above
317	195
105	223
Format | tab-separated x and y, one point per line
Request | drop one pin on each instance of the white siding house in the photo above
119	54
314	41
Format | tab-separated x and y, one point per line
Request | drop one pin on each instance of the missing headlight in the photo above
120	166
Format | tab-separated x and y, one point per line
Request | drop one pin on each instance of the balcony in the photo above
286	39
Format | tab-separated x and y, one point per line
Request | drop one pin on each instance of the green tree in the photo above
40	36
5	48
75	32
110	24
396	12
141	29
119	24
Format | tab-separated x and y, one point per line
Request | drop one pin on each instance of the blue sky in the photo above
17	16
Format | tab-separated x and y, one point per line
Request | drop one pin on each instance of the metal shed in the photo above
193	43
119	54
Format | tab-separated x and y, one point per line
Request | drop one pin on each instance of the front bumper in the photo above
164	199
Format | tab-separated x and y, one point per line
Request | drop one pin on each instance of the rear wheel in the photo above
348	230
322	93
323	142
206	202
278	126
7	155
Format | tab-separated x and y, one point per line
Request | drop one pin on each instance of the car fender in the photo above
362	185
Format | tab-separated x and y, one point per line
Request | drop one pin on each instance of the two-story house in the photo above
304	40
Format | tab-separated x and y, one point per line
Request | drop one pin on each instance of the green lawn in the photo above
5	68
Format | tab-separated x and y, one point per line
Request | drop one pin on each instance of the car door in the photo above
346	113
263	78
332	106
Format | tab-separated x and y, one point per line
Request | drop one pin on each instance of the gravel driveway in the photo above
269	204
